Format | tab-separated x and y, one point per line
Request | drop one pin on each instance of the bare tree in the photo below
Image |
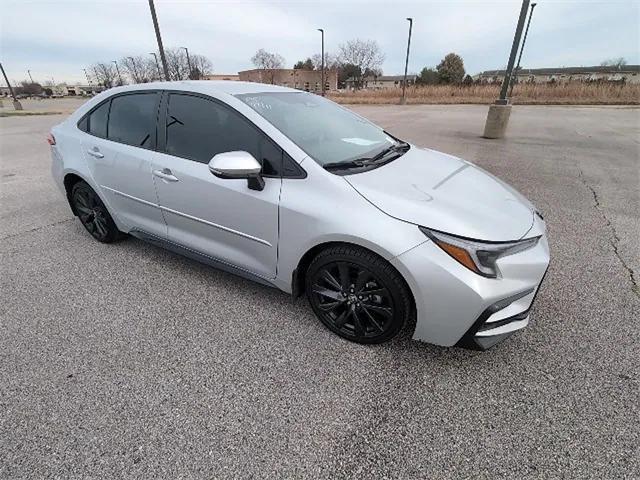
614	62
268	62
105	74
137	68
364	54
331	62
177	64
201	66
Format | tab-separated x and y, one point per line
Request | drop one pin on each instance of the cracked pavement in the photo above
128	361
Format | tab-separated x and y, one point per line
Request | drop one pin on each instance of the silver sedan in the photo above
293	191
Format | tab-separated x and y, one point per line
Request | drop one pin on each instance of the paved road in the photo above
128	361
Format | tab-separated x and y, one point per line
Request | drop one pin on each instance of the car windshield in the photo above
327	132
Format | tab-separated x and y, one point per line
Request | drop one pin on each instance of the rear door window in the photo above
132	119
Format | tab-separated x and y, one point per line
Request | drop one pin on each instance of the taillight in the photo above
51	140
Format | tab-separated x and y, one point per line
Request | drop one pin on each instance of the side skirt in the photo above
199	257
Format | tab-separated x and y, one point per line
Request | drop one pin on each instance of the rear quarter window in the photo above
97	121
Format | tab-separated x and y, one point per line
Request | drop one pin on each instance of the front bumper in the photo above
498	322
455	306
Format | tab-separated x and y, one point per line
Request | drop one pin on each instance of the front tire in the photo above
357	294
93	214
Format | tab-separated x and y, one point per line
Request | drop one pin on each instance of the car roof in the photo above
229	87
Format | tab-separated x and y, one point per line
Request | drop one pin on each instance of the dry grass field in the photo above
524	94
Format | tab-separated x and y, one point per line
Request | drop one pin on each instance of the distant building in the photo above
307	80
381	82
64	90
219	76
623	74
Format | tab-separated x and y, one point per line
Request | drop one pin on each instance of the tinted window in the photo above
83	124
98	120
198	129
132	119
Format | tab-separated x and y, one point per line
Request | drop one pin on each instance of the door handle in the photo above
165	174
95	153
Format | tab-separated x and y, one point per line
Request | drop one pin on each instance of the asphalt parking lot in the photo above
129	361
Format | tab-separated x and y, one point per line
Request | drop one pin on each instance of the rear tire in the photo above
93	214
357	294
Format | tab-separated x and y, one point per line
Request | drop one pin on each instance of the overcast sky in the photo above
58	38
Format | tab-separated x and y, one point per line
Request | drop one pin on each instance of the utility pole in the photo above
188	62
135	71
406	64
157	65
322	62
30	77
499	112
159	39
524	41
118	70
16	104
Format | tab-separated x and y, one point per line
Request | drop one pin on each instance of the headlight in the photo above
479	257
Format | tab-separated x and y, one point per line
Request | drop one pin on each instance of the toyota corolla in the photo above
294	191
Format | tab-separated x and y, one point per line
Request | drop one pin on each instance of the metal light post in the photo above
135	71
514	49
406	63
157	65
524	40
188	62
500	111
16	104
118	70
30	77
159	39
322	61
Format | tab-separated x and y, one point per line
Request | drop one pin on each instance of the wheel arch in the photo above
70	179
299	273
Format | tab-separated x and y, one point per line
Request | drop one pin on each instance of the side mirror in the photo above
238	165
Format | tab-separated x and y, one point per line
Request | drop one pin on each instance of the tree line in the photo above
359	59
145	68
356	59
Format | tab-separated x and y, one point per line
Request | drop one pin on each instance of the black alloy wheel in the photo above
93	214
357	294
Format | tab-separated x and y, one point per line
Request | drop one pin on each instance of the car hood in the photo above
446	193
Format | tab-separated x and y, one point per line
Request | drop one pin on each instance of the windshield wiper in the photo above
361	162
397	147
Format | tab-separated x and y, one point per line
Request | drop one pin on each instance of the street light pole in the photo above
500	111
159	39
524	40
512	57
118	70
188	62
157	65
406	63
322	61
16	104
30	77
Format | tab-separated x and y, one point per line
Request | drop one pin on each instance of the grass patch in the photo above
523	94
25	113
